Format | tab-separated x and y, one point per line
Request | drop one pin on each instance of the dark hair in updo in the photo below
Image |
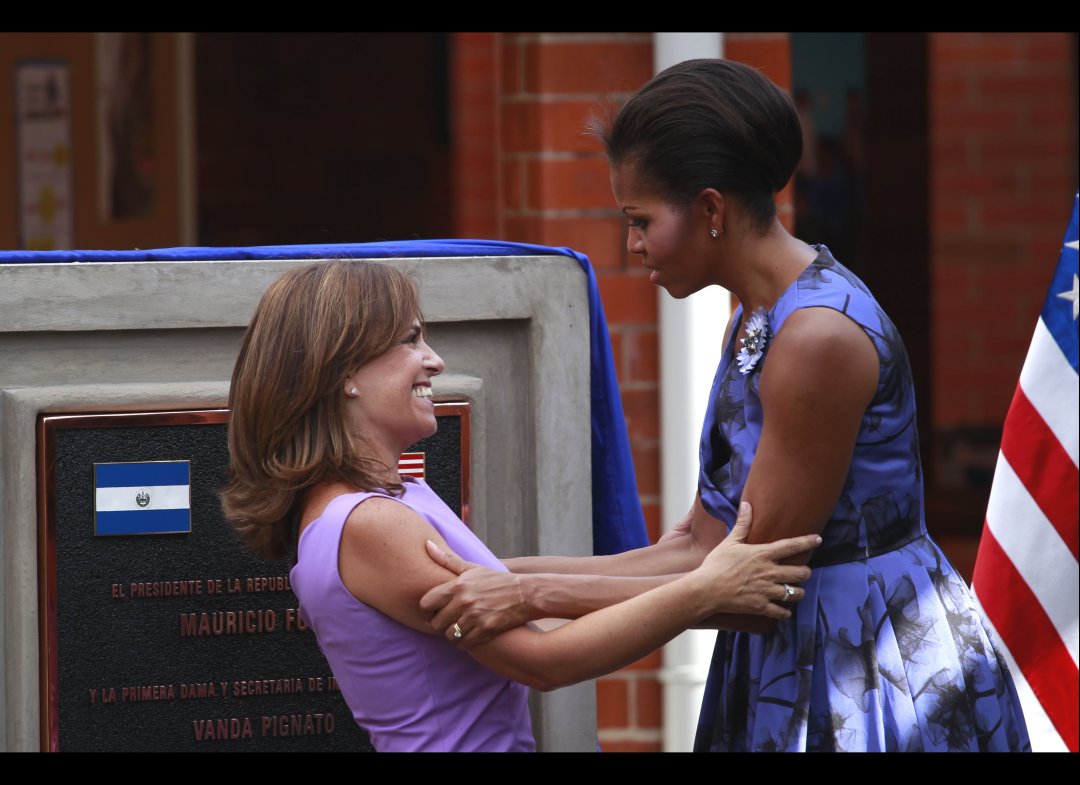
709	124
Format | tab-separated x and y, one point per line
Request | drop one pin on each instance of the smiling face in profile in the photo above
392	407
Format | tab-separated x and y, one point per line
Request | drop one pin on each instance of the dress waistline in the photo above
843	554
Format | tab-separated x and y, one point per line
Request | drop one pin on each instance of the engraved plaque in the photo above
180	641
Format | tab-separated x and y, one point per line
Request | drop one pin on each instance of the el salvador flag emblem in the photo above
142	498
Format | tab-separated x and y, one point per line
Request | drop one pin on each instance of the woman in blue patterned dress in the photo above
812	420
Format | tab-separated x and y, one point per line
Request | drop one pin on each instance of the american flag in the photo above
1026	575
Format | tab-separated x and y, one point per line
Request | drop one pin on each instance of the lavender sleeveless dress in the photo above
412	692
887	650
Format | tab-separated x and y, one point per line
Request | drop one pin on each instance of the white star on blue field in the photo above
1074	295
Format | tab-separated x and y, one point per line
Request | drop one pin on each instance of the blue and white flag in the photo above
142	498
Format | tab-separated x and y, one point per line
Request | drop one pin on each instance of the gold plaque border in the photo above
48	425
462	409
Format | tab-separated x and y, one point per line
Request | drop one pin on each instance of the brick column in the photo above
474	100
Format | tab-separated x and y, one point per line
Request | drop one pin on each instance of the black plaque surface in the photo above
182	642
444	453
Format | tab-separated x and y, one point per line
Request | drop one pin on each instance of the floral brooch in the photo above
753	345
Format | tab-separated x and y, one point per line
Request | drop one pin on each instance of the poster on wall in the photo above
43	136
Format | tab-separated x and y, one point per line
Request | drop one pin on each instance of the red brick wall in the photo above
1003	169
474	97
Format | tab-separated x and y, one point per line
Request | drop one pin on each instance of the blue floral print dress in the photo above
887	650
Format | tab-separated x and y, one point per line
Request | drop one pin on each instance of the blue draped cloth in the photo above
618	523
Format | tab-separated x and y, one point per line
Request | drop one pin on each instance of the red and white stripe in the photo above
411	464
1026	576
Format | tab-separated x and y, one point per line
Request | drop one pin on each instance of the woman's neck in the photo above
384	467
380	459
764	266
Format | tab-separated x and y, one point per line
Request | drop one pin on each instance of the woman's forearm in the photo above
665	558
601	642
571	596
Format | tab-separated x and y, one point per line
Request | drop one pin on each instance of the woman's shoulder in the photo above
827	283
335	502
317	500
820	338
821	349
375	519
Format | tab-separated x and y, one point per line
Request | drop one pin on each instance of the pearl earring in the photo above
353	393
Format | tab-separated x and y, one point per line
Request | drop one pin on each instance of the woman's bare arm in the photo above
663	558
821	375
616	636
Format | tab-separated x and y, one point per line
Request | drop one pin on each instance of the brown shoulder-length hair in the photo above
313	328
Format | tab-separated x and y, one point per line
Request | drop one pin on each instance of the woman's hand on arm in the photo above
382	560
487	602
481	601
757	575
